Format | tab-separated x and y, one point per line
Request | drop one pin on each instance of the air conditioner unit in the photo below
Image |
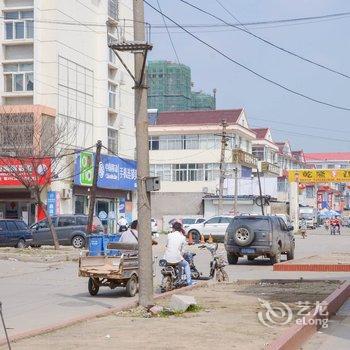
67	193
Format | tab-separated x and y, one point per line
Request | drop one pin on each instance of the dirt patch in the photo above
228	320
42	254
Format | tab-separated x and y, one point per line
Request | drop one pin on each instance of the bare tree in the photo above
34	152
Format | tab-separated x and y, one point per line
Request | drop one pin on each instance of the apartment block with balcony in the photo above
185	153
55	54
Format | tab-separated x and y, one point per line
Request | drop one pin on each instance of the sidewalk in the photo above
337	335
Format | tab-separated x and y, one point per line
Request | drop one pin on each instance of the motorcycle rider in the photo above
174	250
335	222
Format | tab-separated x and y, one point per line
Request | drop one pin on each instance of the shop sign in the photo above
244	158
114	172
319	176
53	203
30	171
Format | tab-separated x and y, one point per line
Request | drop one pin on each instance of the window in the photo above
161	170
3	226
310	191
282	185
330	166
21	225
225	220
18	77
283	224
180	172
154	143
80	202
259	153
344	166
19	25
211	172
319	166
11	226
112	141
82	220
112	91
215	220
66	221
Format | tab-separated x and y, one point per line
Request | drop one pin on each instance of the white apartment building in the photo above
185	153
55	54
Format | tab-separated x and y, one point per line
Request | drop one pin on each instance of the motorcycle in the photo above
335	229
174	275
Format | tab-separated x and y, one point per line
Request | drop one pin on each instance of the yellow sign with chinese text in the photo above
319	175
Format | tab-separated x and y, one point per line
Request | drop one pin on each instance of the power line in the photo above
280	85
263	39
169	35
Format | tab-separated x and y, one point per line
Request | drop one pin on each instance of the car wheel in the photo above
132	286
93	287
21	244
196	237
290	254
232	258
78	242
243	236
276	259
167	284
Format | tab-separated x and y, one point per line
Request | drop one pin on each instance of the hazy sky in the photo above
325	41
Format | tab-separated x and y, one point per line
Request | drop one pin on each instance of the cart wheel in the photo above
132	286
93	287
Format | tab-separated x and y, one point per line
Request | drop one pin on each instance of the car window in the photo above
11	226
21	225
82	220
42	224
66	221
215	220
225	220
253	222
200	220
188	221
3	226
283	224
276	224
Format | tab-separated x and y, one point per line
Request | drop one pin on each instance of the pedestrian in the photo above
303	228
122	224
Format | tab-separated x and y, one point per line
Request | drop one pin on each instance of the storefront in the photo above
116	185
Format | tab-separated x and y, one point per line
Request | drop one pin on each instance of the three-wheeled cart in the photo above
111	271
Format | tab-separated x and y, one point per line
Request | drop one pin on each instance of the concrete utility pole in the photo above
222	163
142	155
93	188
235	202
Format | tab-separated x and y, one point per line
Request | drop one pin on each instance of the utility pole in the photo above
93	188
260	192
235	203
222	163
142	154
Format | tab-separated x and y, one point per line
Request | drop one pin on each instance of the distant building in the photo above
201	100
169	88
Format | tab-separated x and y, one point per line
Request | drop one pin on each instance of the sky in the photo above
307	125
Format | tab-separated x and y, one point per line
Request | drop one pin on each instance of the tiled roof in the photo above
260	132
336	156
199	117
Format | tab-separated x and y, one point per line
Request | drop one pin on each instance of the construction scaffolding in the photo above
201	100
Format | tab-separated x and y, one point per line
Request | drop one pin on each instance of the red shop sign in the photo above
35	171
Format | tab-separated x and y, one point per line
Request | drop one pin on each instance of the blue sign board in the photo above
51	203
114	173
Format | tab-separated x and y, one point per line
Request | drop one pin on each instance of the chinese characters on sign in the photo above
319	176
114	172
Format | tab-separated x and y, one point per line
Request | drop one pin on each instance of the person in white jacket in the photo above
174	250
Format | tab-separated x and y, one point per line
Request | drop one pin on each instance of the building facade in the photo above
185	153
55	54
169	88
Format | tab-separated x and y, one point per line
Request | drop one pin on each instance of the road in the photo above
36	294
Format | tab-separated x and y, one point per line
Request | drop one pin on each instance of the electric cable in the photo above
252	71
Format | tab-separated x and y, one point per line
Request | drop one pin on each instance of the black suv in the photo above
259	235
14	233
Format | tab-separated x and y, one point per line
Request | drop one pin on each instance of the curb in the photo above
294	337
91	316
312	267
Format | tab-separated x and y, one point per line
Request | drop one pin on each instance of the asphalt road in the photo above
35	295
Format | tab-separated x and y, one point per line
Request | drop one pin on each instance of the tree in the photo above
34	152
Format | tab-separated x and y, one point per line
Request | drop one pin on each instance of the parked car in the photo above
215	226
258	235
186	222
154	226
14	233
70	229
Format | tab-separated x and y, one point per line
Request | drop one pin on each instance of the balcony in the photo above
270	169
244	158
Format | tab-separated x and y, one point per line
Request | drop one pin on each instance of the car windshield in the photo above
188	221
254	223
